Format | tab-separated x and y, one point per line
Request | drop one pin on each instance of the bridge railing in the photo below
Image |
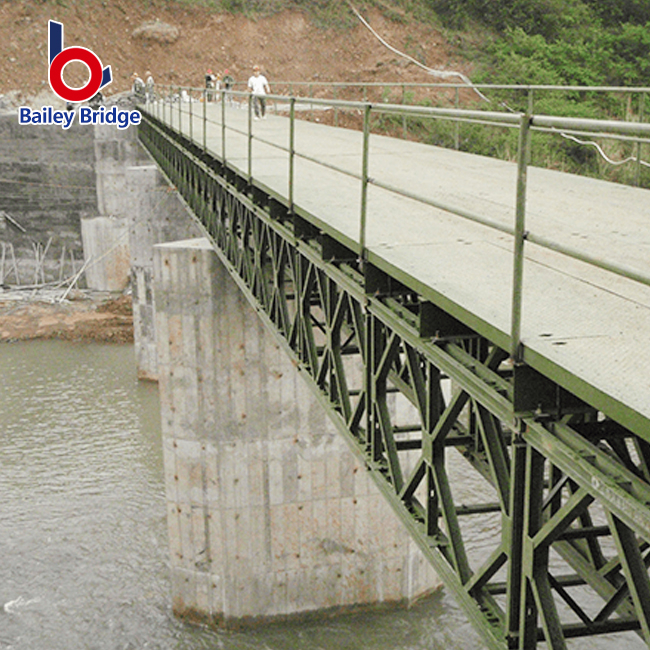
599	102
625	102
185	109
621	162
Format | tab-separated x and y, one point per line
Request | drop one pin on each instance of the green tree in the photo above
617	12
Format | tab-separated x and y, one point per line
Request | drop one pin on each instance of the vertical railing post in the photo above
638	144
180	109
364	181
205	120
520	235
189	95
292	150
223	128
404	122
336	108
250	139
457	124
171	103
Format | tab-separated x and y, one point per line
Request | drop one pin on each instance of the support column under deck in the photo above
269	513
155	215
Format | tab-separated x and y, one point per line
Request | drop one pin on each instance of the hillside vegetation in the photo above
550	43
568	42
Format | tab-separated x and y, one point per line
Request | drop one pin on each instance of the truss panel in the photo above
569	486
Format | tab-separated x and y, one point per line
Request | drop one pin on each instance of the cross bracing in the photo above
566	486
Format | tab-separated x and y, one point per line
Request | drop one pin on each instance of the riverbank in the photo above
85	316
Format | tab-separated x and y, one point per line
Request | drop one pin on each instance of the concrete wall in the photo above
47	184
269	513
116	151
106	249
105	237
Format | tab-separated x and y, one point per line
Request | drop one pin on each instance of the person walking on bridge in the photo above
259	86
209	85
149	86
137	87
228	82
217	86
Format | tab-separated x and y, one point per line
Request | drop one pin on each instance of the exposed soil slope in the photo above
287	45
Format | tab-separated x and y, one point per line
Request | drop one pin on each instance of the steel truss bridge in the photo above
528	354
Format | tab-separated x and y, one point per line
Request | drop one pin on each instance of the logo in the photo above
99	77
60	57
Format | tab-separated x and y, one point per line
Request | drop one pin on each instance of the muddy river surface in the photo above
83	543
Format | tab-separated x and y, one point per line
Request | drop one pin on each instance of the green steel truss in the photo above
567	490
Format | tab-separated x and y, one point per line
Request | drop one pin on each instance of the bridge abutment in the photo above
269	513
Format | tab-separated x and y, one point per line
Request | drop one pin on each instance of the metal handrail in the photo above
464	86
500	118
591	126
524	122
450	85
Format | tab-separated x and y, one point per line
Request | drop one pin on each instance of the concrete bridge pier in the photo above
156	215
106	236
269	514
137	209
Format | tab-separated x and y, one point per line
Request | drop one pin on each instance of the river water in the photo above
83	545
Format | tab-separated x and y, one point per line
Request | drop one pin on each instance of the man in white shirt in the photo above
259	86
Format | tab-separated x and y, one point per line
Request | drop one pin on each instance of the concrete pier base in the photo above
269	514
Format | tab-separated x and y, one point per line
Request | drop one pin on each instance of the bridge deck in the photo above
586	328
